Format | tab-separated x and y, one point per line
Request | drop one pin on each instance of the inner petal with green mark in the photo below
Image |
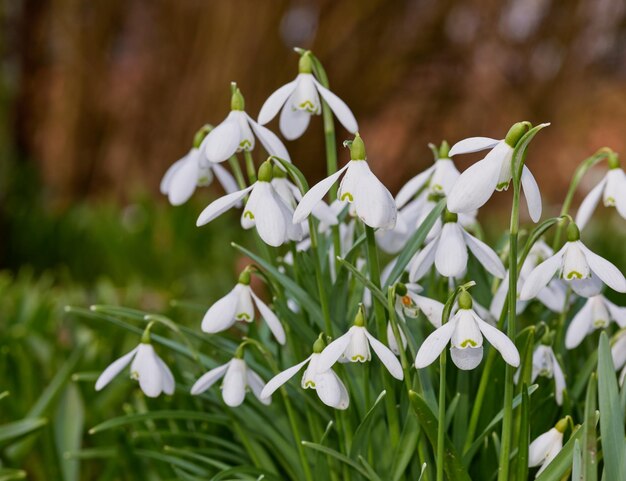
248	214
598	323
245	144
468	343
573	275
502	186
309	384
308	106
243	316
347	195
357	358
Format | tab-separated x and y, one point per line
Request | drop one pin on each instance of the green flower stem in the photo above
250	169
581	170
321	288
441	426
507	420
234	165
379	312
391	303
560	327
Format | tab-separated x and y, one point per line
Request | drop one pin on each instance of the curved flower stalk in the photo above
326	384
465	332
552	295
354	346
477	184
448	251
300	99
545	364
545	447
611	189
238	305
372	202
237	132
438	178
584	270
238	377
146	367
597	313
265	210
193	170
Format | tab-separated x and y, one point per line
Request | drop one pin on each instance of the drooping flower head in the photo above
237	133
372	202
465	332
238	305
300	99
596	313
544	448
545	364
477	184
265	209
577	265
194	170
326	383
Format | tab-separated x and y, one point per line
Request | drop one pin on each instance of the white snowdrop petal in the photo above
468	358
281	378
146	369
222	142
268	218
432	346
183	182
475	185
578	327
541	446
423	260
386	356
331	390
559	379
592	286
221	205
275	101
472	144
432	309
451	255
589	204
331	353
234	385
605	270
271	142
315	195
500	342
114	369
325	214
167	178
270	318
532	194
221	315
209	378
485	255
541	275
617	313
293	123
408	191
257	385
225	178
374	204
168	377
339	108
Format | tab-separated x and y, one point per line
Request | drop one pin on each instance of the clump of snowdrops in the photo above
379	337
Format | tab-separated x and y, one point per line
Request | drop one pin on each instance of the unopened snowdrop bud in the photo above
545	447
146	367
583	269
372	202
326	383
465	332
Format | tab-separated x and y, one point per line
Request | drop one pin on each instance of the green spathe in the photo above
357	148
236	101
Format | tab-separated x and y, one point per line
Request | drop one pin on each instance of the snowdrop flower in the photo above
552	296
439	178
545	364
611	189
237	378
193	170
545	447
145	366
448	251
299	100
465	333
237	133
265	210
238	305
597	313
354	346
477	184
372	202
409	304
576	264
326	384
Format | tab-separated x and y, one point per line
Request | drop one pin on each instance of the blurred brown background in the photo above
109	93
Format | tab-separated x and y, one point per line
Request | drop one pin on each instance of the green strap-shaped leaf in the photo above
362	433
15	430
590	442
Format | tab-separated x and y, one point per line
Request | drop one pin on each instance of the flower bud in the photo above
244	277
359	319
266	173
573	234
516	132
201	134
236	101
449	216
357	148
305	65
444	150
465	300
319	344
